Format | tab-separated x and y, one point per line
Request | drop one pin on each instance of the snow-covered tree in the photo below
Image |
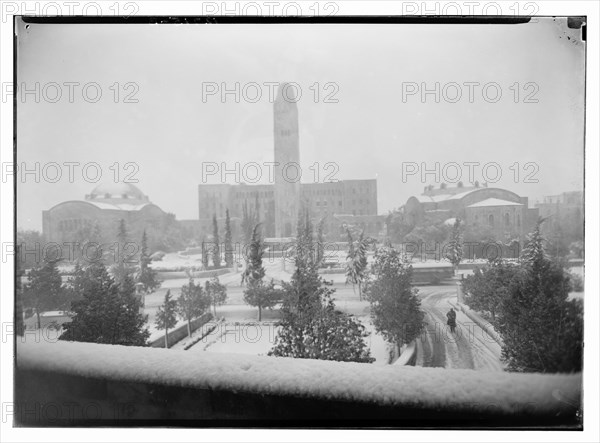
124	254
146	275
205	254
44	289
455	246
328	335
395	306
541	329
356	261
255	271
106	312
320	242
166	316
263	296
192	303
310	326
486	289
216	253
228	241
216	292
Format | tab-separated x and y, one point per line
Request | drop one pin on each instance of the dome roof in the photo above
116	191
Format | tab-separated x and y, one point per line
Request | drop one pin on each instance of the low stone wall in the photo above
169	275
84	384
181	332
408	356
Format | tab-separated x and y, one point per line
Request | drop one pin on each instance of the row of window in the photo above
254	194
73	224
506	220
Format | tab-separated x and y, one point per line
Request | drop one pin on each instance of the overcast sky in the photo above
368	133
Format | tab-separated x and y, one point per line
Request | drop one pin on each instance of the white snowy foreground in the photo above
386	385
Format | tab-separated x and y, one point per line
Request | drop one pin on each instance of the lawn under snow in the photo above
411	386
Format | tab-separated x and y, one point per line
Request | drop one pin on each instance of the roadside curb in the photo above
486	326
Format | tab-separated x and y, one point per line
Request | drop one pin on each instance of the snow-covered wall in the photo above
175	385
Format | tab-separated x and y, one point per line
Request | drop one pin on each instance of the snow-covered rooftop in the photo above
493	202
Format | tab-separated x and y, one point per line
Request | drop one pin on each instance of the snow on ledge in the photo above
384	385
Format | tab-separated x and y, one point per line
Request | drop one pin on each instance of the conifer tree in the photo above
105	312
146	275
205	254
216	253
228	241
395	306
166	316
311	327
356	264
455	247
542	330
44	290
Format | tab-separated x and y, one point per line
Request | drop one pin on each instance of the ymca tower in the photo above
287	172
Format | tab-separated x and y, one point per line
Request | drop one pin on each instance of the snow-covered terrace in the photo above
194	388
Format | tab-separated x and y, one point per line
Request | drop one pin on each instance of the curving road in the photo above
468	348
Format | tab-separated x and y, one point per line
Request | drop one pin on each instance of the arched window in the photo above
491	220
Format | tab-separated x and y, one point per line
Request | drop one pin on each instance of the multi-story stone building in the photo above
339	203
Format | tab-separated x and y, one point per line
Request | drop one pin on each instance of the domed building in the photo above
504	213
96	218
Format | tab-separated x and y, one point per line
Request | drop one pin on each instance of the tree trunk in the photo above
39	321
359	291
166	339
189	328
259	313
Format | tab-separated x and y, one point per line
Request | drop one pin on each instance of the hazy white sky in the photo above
369	133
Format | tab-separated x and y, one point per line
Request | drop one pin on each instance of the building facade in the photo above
503	213
340	203
96	218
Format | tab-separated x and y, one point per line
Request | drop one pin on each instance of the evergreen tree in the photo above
106	312
205	254
44	290
320	242
124	257
255	271
487	288
146	275
247	224
166	316
192	303
356	264
395	306
455	247
216	292
228	241
311	327
541	329
216	254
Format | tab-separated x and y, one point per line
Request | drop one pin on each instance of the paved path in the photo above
468	348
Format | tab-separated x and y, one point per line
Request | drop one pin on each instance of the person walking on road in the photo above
451	319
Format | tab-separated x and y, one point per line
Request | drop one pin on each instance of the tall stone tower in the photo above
287	172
